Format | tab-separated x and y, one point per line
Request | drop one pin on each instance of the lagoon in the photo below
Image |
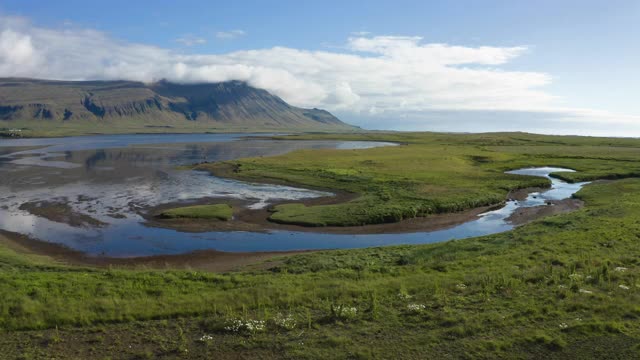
113	178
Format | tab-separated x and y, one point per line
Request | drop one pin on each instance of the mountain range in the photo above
48	107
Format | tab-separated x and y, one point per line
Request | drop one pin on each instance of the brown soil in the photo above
521	194
245	219
553	207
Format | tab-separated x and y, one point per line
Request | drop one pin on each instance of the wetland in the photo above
502	245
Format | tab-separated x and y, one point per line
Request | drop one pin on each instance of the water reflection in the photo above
111	177
135	172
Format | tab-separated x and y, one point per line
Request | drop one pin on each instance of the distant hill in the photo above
45	107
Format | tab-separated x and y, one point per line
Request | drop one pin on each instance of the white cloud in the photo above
409	49
231	34
190	40
17	54
383	76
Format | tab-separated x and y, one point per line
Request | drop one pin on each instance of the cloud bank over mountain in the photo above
370	77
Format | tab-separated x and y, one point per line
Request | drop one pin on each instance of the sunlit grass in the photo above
429	174
566	286
222	212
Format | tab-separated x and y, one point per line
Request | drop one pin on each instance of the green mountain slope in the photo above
44	107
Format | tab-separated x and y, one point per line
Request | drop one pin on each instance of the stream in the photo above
110	177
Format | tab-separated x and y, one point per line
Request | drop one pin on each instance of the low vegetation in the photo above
222	212
428	173
565	287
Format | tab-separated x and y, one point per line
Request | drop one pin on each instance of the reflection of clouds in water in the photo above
100	200
23	224
37	227
40	161
559	189
129	237
134	171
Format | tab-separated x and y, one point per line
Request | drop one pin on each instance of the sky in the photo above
562	67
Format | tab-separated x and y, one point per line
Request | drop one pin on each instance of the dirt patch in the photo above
59	211
524	215
522	194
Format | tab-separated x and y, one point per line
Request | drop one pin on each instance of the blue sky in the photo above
588	52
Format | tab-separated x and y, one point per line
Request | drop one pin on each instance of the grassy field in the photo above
429	173
33	128
222	212
565	287
562	287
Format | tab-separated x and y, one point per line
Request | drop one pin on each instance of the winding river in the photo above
110	177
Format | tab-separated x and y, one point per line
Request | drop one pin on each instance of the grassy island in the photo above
562	287
222	212
428	173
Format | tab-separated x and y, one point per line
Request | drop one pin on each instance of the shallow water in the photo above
107	176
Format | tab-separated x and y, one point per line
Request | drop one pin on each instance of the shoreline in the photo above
245	219
221	261
205	260
257	220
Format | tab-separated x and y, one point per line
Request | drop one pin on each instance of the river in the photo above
111	177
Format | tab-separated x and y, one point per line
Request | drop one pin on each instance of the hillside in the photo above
44	107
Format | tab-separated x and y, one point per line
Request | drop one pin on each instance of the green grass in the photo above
133	125
222	212
564	287
429	173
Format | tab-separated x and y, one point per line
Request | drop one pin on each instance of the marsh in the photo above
110	182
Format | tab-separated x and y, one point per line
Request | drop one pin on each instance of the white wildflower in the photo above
206	338
563	326
234	325
578	319
461	286
285	322
624	287
344	312
237	325
620	269
349	311
416	307
254	325
575	276
404	296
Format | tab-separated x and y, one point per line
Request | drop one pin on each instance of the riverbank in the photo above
561	287
257	220
429	175
204	260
